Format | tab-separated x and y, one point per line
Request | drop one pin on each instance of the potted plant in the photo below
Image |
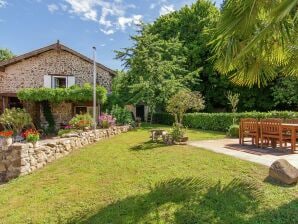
178	134
32	136
81	121
7	136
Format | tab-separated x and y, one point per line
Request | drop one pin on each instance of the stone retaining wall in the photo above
22	158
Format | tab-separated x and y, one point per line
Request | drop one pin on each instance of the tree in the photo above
256	40
5	54
155	70
183	101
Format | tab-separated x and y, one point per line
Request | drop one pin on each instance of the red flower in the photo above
6	134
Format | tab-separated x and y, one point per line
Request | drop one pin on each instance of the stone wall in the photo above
22	158
30	73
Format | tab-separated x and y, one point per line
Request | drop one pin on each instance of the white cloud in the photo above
3	3
165	9
53	7
107	32
111	15
124	22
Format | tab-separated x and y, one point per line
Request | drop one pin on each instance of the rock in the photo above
283	171
70	135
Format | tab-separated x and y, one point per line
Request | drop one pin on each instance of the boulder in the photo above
283	171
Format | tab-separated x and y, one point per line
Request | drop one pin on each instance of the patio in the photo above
247	152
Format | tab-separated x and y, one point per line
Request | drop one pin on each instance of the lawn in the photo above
128	179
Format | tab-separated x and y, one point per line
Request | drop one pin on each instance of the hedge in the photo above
219	121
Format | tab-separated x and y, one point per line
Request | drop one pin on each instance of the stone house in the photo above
52	66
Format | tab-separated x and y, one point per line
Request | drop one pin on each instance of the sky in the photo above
27	25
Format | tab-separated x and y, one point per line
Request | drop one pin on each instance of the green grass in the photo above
130	180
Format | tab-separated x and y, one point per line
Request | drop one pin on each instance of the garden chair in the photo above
249	128
272	132
290	121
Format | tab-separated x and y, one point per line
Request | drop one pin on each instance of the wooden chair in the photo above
291	121
249	128
271	131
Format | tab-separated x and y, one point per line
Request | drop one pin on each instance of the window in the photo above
59	82
81	110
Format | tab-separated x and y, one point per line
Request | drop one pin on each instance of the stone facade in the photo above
22	158
29	73
29	70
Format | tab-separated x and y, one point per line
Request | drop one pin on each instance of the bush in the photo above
233	131
81	121
122	115
220	121
15	119
106	120
177	132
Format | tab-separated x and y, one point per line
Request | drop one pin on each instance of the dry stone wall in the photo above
22	158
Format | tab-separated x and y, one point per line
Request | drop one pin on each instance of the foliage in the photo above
121	115
31	135
15	119
106	120
285	93
233	99
5	54
177	132
233	131
73	94
47	113
81	121
256	40
220	121
6	134
156	69
183	101
66	131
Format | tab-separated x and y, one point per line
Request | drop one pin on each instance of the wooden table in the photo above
294	130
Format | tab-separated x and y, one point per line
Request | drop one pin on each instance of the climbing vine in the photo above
71	94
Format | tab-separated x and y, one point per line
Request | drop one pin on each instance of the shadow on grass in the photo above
147	146
195	200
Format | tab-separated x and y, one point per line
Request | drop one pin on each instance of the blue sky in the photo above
80	24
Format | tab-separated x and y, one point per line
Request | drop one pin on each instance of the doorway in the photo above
140	112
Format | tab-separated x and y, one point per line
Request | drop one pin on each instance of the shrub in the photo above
220	121
233	131
81	121
122	115
177	132
15	119
106	120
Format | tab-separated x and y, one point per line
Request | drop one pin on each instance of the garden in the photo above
199	71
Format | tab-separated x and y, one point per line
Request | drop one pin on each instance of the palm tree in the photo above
256	40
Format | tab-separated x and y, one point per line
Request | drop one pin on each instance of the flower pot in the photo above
35	144
7	141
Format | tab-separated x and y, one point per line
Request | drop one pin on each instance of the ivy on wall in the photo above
58	95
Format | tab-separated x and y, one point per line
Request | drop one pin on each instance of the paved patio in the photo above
250	153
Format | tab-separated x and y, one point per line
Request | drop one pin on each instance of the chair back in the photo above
271	126
249	125
291	121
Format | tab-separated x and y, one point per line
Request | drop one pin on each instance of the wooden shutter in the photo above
47	80
71	81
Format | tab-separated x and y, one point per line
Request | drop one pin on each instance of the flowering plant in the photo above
6	134
81	121
106	120
31	135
